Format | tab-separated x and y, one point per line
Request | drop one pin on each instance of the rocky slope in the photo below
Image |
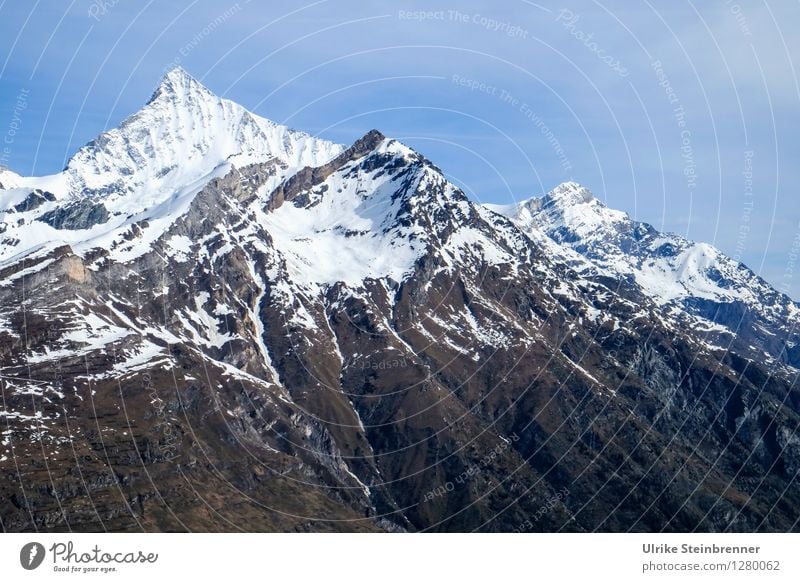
694	284
209	322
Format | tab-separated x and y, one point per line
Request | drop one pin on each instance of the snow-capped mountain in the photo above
729	303
8	179
181	136
150	168
210	320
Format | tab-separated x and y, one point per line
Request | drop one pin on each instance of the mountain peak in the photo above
568	194
178	74
367	142
8	179
178	83
569	206
567	198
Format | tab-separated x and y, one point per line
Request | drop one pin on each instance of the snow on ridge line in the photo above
667	267
40	237
151	166
8	179
340	238
182	133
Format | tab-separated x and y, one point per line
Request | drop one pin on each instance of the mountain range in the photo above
212	322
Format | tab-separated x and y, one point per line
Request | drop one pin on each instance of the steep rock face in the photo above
349	343
82	215
34	200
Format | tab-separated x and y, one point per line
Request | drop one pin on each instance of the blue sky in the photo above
684	114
